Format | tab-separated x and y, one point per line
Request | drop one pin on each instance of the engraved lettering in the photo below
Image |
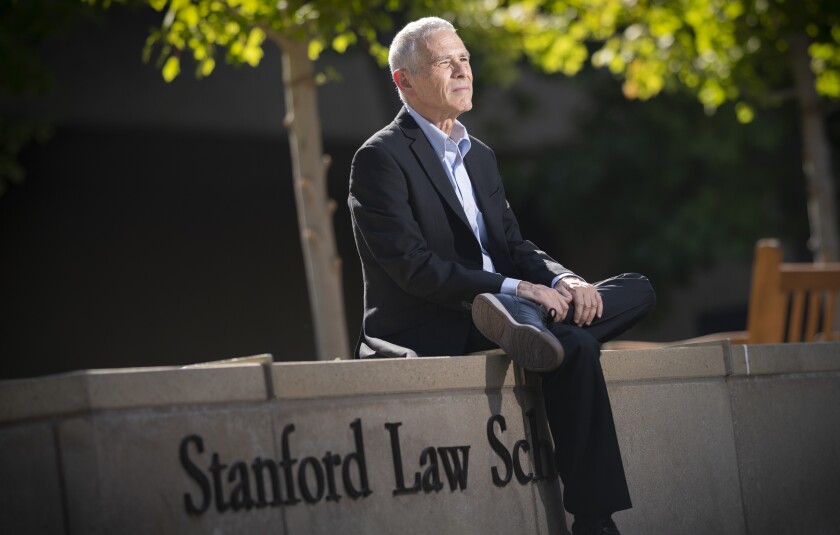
455	461
500	450
357	458
196	475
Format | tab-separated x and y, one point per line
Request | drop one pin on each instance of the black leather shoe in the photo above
594	526
518	326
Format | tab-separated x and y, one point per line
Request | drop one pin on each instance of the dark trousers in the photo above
577	404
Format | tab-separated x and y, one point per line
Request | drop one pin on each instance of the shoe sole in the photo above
524	344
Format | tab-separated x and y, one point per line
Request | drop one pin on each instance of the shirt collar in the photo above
436	136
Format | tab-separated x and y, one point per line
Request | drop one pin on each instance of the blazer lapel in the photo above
430	162
482	186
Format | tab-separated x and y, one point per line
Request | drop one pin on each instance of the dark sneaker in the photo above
518	326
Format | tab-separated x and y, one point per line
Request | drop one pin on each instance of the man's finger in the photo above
562	290
580	306
593	307
586	317
560	307
562	310
593	310
590	308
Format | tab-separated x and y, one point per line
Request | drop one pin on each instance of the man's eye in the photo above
443	64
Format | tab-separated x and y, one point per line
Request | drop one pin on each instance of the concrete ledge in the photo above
769	359
256	378
302	380
127	388
677	362
264	359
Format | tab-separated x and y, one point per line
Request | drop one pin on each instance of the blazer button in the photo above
467	305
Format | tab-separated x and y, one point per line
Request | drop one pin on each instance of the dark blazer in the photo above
421	263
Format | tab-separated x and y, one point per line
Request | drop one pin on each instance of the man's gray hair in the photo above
404	53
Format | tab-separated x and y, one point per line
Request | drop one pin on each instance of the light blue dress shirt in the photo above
451	150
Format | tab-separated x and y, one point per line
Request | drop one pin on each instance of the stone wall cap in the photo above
771	359
256	379
122	388
301	380
684	362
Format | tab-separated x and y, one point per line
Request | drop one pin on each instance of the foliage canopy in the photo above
719	50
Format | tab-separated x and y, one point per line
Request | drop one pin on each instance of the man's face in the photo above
442	86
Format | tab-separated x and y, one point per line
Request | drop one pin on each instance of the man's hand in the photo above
546	297
588	303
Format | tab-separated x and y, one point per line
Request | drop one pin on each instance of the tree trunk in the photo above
315	210
816	157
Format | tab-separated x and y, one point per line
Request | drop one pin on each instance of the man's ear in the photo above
401	79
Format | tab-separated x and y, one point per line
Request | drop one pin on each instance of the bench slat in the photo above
796	317
814	299
828	317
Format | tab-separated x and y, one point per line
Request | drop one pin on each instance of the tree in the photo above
752	53
301	30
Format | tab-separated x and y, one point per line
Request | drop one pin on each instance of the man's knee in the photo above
633	289
644	291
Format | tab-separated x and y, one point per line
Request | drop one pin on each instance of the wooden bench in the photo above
784	298
780	293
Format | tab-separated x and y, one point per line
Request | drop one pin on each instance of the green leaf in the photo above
252	55
316	46
712	94
171	68
189	15
206	67
232	28
828	84
342	41
744	113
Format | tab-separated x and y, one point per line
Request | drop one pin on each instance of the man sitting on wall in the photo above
446	271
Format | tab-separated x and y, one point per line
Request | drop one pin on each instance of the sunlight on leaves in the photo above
171	68
744	113
828	84
206	67
316	46
717	50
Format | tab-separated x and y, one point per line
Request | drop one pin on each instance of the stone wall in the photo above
719	439
715	439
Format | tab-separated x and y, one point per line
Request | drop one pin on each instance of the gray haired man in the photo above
447	272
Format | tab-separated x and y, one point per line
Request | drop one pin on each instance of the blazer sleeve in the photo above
383	214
